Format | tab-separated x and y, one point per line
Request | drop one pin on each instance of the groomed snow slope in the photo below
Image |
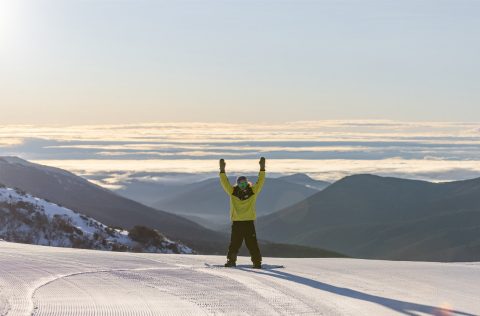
42	280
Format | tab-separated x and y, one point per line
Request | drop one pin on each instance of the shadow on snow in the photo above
407	308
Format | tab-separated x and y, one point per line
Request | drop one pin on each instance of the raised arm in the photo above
227	187
257	187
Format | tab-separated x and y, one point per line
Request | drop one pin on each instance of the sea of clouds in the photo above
327	150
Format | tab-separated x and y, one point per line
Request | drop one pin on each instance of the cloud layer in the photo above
328	150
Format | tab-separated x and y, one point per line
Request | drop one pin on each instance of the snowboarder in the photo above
243	196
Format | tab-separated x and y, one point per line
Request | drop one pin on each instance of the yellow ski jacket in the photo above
242	210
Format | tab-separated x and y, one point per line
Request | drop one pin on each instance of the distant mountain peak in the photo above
14	160
360	177
373	177
297	176
306	180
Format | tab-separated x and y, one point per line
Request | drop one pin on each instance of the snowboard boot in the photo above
230	264
257	265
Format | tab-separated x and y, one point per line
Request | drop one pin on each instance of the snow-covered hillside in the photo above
27	219
38	280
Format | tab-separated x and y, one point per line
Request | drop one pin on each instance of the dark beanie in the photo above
241	178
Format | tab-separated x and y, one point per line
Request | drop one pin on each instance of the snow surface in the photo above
51	209
87	225
41	280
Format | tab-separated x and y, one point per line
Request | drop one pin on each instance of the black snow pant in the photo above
244	230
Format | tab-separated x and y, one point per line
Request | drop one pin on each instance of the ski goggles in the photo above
243	185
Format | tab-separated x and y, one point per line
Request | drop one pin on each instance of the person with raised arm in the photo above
243	196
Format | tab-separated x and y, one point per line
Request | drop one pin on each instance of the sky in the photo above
117	90
84	62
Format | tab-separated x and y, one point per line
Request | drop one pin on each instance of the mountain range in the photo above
206	203
369	216
364	216
78	194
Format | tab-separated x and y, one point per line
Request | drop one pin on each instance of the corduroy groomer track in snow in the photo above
41	280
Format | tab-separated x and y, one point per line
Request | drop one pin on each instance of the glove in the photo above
262	164
222	165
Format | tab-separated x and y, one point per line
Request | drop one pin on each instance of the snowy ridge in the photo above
28	219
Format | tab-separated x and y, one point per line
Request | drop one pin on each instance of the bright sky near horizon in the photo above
125	61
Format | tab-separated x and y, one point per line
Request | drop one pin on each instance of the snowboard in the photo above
246	266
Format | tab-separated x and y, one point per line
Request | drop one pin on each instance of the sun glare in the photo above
11	20
7	8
